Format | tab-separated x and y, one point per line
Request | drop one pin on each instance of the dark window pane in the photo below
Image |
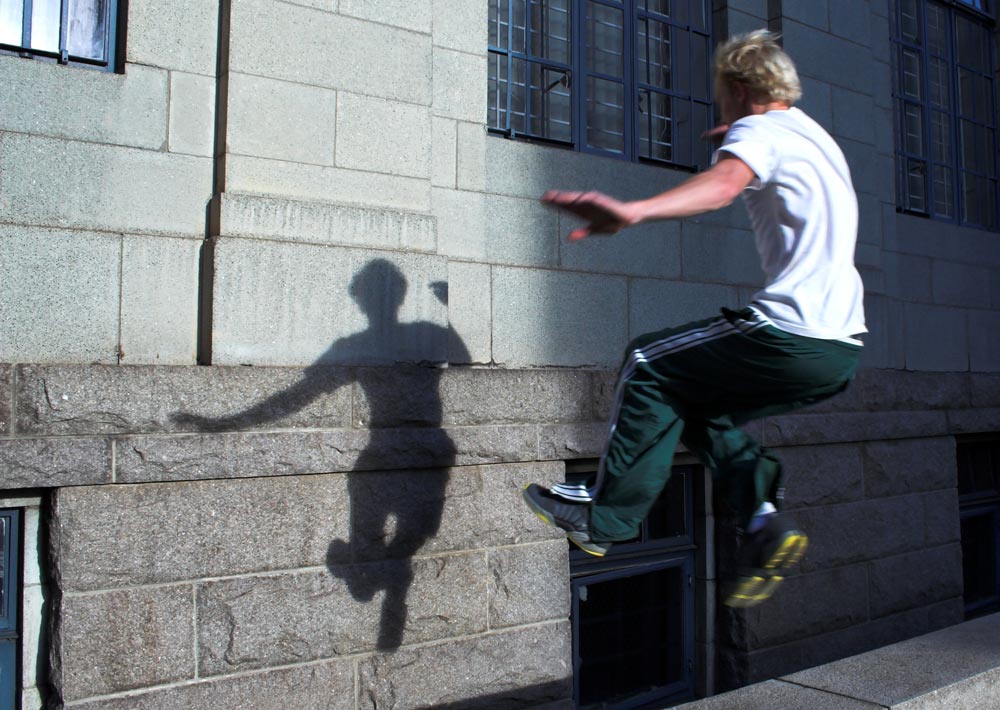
605	114
938	80
911	74
11	18
496	114
916	190
979	572
659	6
937	30
498	23
655	126
653	53
972	40
550	33
944	197
85	36
681	40
519	27
968	90
605	51
701	64
913	127
909	22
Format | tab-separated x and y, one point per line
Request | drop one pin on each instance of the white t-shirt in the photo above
804	214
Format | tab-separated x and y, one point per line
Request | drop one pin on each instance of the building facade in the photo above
284	329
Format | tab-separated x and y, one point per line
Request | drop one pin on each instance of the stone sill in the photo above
956	667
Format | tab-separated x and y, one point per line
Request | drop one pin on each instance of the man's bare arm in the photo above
713	189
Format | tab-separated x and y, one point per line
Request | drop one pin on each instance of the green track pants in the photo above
697	384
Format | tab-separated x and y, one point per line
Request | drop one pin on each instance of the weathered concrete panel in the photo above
815	13
525	667
458	82
655	305
178	35
295	304
324	184
657	257
90	186
714	254
334	612
984	341
461	25
528	584
125	639
800	429
823	56
470	305
899	467
410	14
931	334
159	301
383	136
42	98
52	463
317	686
347	225
853	114
281	120
370	58
87	399
115	535
444	152
822	475
913	391
852	20
928	237
60	294
941	517
960	284
559	442
192	114
548	318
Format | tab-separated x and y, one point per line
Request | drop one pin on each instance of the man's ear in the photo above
740	92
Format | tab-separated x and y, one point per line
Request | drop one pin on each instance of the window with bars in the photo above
10	581
944	91
626	78
78	32
979	501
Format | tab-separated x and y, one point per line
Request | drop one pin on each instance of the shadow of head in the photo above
379	289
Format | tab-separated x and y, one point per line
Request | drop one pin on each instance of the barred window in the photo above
945	105
80	32
626	78
979	501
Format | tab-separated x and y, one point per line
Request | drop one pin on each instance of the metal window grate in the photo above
10	585
979	501
78	32
945	106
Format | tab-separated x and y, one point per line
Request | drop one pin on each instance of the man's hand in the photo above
604	214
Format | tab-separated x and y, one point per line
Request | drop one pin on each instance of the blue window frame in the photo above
77	32
944	92
10	585
624	78
979	502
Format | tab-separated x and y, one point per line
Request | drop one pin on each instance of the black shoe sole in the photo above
752	589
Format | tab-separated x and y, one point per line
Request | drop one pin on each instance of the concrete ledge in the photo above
957	667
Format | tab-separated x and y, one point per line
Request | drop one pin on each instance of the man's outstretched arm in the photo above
711	190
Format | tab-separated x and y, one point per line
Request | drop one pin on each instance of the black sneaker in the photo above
573	518
764	556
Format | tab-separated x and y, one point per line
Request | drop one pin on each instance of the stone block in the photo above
984	341
884	344
471	140
868	173
824	56
560	442
908	277
159	301
323	223
334	612
651	250
125	639
296	304
817	101
974	421
281	120
798	429
822	475
60	400
116	535
325	184
852	533
927	237
521	668
41	98
181	35
912	391
655	305
910	671
6	398
460	25
898	467
903	582
931	333
409	14
495	229
192	114
804	605
52	463
941	517
437	512
527	336
383	136
528	584
470	305
985	390
444	152
91	186
61	292
714	255
370	58
458	82
852	21
853	114
808	12
960	284
317	686
776	693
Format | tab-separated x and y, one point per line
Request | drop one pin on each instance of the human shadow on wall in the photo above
393	512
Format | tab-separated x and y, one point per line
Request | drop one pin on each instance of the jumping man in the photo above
797	343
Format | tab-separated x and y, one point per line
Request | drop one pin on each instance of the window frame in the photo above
114	40
694	154
976	501
10	608
954	162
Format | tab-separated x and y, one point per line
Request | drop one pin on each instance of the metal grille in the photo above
979	499
78	32
10	581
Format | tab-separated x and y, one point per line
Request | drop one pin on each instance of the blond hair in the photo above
757	61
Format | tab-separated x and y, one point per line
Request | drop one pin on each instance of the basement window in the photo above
979	502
